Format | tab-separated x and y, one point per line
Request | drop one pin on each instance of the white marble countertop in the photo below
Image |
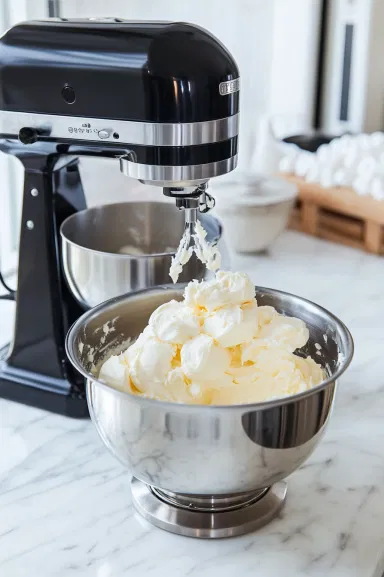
65	506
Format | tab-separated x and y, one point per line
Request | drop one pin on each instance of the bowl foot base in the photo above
209	517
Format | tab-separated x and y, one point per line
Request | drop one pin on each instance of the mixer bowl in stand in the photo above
93	240
206	471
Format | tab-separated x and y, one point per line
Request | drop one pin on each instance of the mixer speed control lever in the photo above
104	133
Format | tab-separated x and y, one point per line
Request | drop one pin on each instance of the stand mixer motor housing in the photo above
161	98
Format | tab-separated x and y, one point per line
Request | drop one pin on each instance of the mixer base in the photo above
38	390
208	517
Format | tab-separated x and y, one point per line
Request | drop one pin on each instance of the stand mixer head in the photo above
161	98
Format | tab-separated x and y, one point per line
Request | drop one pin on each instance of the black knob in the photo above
28	135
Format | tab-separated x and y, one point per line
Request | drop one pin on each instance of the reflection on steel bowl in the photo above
95	243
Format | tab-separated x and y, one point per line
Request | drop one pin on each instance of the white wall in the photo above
374	108
293	69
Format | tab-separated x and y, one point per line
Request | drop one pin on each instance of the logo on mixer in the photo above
229	87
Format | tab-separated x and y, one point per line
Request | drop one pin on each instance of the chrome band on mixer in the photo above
176	174
122	131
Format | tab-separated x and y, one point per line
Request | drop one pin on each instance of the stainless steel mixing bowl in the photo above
206	450
91	241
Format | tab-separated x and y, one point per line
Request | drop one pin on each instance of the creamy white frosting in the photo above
227	288
283	332
174	323
204	360
232	325
115	372
209	254
217	346
150	361
194	242
182	256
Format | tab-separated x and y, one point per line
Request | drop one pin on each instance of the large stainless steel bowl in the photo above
92	240
206	450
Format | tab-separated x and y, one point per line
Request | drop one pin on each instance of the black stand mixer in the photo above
161	97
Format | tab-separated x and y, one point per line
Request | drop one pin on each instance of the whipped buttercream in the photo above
232	325
204	360
194	241
174	323
226	289
115	372
149	361
217	346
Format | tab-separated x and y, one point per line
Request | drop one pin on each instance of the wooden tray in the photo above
340	215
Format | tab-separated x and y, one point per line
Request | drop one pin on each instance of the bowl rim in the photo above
117	255
287	192
87	316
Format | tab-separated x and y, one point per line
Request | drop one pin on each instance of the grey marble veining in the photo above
65	507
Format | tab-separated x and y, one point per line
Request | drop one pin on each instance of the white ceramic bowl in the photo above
254	210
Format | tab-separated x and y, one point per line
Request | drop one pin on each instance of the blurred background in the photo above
308	66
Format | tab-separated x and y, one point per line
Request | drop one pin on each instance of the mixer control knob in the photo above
29	135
